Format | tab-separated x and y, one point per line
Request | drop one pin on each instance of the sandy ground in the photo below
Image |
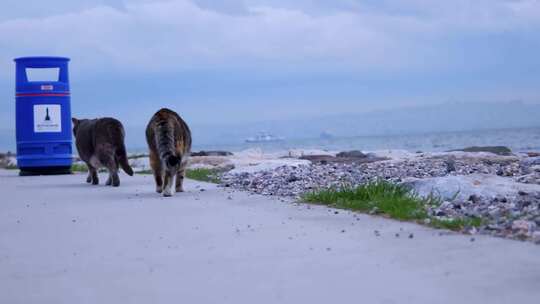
63	241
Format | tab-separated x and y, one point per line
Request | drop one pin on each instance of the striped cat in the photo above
169	142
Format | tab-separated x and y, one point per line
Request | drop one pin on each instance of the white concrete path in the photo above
63	241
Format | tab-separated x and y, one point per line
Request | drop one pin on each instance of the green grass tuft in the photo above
204	175
139	155
381	196
393	200
144	172
11	167
457	224
201	174
79	168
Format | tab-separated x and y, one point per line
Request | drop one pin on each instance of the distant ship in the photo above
326	135
263	137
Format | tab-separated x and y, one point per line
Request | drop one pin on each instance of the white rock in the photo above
306	152
463	186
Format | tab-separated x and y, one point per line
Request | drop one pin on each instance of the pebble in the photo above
536	237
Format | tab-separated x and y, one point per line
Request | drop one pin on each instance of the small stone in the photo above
472	239
397	235
450	165
440	213
536	237
376	232
292	178
474	198
523	227
445	205
411	236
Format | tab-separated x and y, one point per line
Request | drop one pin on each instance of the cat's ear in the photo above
75	121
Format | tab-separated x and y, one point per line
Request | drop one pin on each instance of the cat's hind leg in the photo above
155	164
89	178
113	179
109	161
167	183
180	180
92	175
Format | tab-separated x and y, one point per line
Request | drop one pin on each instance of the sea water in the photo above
523	139
519	140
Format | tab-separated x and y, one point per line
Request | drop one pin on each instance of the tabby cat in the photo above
100	143
169	142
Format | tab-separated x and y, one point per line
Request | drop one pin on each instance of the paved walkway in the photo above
63	241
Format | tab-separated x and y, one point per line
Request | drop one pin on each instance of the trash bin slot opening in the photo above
42	74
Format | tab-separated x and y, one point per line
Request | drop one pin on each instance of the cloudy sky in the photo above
248	60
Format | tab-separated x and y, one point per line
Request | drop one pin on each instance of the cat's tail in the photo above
121	155
166	144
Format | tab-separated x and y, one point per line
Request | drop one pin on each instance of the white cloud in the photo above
158	35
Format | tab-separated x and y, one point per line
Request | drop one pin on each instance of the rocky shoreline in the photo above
501	190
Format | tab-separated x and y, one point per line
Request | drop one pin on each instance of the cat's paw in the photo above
179	189
158	189
167	193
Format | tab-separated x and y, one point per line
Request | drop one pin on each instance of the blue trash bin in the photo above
43	115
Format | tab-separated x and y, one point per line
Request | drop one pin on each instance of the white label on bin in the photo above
47	87
47	118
